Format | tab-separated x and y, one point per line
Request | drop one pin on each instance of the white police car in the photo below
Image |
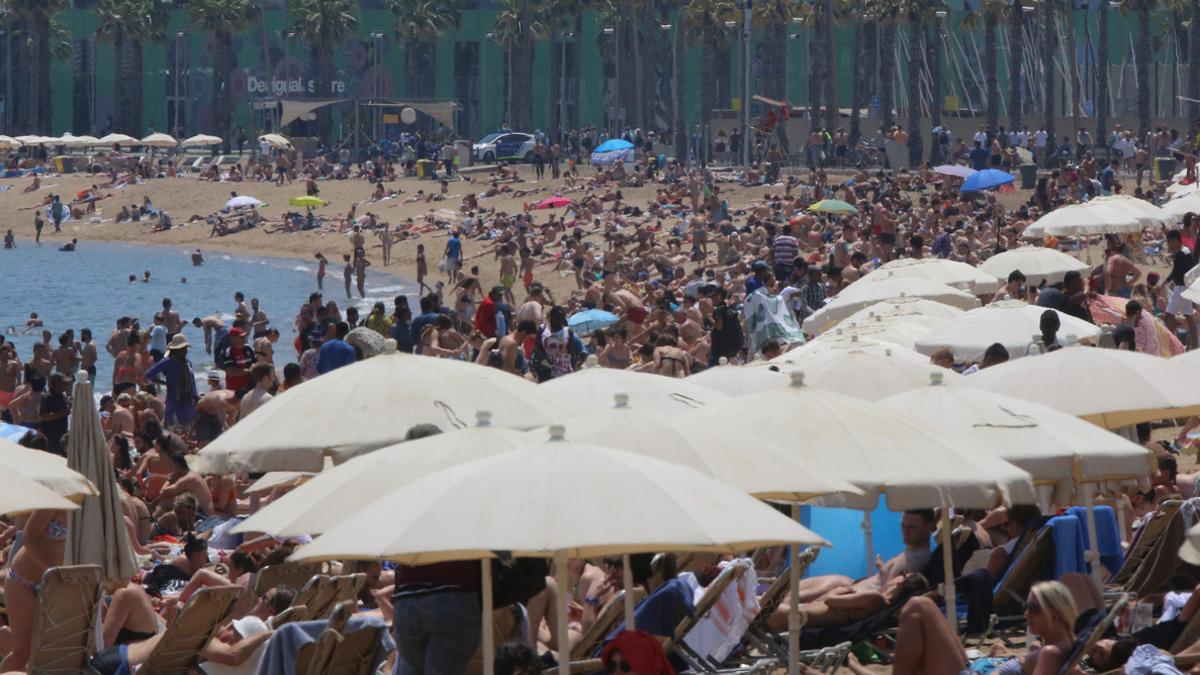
504	146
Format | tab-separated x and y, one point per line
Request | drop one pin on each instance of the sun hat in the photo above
249	626
178	342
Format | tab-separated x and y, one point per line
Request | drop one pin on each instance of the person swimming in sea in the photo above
69	246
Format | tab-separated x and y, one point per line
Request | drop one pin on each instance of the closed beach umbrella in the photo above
1037	263
468	512
1111	388
859	295
276	141
200	141
159	140
370	404
752	465
241	201
307	201
97	532
118	139
1012	323
959	275
324	500
834	206
987	179
958	170
50	471
591	319
869	372
593	388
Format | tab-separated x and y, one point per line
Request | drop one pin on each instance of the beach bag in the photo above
518	580
443	265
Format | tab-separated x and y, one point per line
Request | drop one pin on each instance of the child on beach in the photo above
347	272
321	264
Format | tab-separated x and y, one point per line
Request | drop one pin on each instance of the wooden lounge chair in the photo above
338	653
293	613
65	624
291	574
309	591
334	591
1191	633
1143	543
196	623
707	601
1081	649
583	659
1010	593
759	635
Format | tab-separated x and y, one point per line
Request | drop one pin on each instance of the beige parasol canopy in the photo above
593	388
200	141
276	141
50	471
1144	211
9	143
874	448
1083	219
740	380
1108	387
323	501
859	295
1037	263
20	494
370	404
97	532
1012	323
756	467
159	140
871	372
899	329
118	139
952	273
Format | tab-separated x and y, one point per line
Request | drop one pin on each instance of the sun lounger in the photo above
707	601
293	613
1155	573
1083	645
607	621
1190	634
323	592
1008	597
65	624
345	589
294	575
311	589
314	656
338	653
178	649
1144	541
758	635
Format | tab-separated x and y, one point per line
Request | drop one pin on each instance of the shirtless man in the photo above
119	337
259	321
214	329
508	270
42	360
128	366
240	310
531	309
121	417
185	481
215	412
1120	274
66	357
87	354
170	319
886	223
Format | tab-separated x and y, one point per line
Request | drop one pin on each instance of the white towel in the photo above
721	630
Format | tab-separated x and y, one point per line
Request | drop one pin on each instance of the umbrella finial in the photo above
557	432
83	376
723	361
797	378
621	399
483	418
854	338
389	346
887	351
592	361
936	378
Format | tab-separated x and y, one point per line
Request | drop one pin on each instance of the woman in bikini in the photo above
617	354
669	359
43	543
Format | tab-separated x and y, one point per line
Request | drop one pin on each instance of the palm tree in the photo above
518	24
1016	25
420	24
991	18
830	72
704	22
130	24
36	17
562	17
916	64
1143	51
1194	62
223	18
887	66
324	25
771	19
1102	76
1049	46
864	72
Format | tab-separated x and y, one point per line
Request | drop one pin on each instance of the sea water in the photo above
90	288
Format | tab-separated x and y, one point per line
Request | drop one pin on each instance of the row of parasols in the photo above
155	140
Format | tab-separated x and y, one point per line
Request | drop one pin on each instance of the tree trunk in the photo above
938	89
222	112
1016	25
1049	46
652	61
887	74
990	66
1102	77
324	84
916	64
1194	62
1143	53
856	80
708	84
831	74
677	125
816	67
121	82
1072	69
135	89
773	51
522	83
627	76
870	70
45	98
554	102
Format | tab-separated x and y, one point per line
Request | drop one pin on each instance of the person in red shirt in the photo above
485	314
235	358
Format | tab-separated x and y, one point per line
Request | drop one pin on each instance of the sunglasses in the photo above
614	665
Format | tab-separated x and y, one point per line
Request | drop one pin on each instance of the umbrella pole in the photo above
794	604
564	639
869	542
1093	555
627	584
1044	492
489	637
948	564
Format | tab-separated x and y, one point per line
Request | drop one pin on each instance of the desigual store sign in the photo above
291	86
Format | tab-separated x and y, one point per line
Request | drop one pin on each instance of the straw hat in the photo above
178	342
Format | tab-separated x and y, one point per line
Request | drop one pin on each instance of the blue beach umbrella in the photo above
987	179
13	432
614	144
591	319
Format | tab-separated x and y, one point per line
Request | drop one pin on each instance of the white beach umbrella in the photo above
593	388
118	139
868	372
1144	211
859	295
159	140
50	471
1037	263
1012	323
916	308
899	329
20	494
959	275
200	141
96	532
83	142
959	170
1179	190
276	141
323	501
740	380
750	464
467	512
1176	209
370	404
1083	219
242	201
30	140
1111	388
9	143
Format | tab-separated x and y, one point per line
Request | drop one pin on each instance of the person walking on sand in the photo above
360	274
347	272
322	262
422	269
38	224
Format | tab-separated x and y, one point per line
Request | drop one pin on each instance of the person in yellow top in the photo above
379	321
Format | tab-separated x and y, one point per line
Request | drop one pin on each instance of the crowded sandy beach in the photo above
731	400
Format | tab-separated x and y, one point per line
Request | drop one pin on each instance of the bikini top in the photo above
56	530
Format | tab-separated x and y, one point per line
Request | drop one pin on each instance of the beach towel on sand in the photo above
768	318
720	631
